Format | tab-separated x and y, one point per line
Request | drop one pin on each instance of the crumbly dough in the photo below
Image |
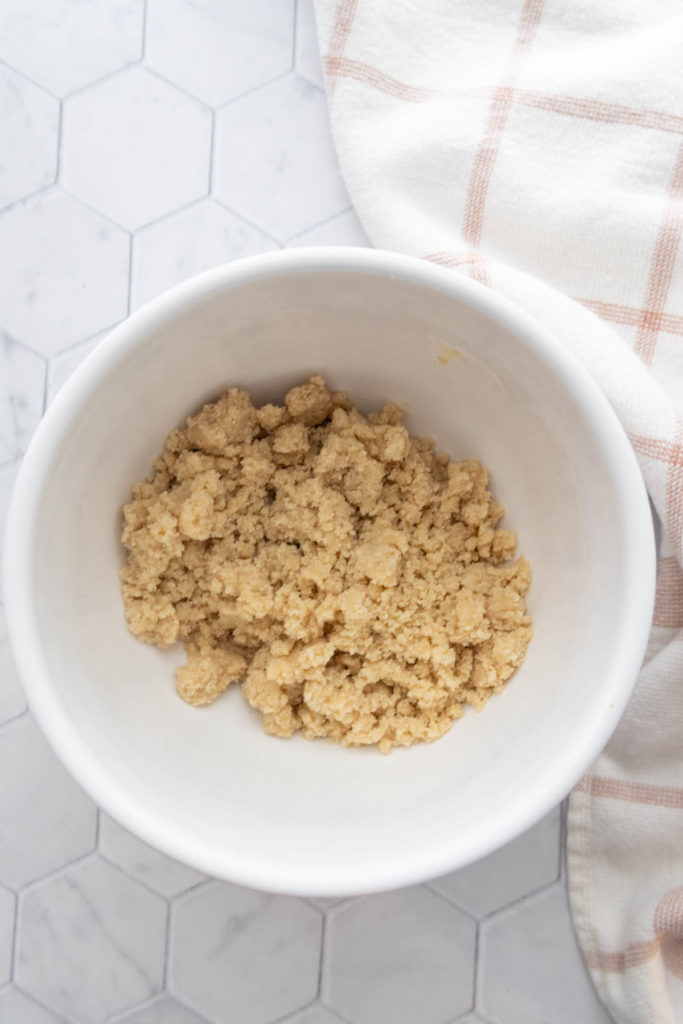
352	577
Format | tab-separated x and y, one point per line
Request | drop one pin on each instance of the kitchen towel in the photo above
537	145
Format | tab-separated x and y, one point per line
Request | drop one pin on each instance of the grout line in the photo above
60	133
252	89
46	378
50	1010
22	714
174	85
57	872
295	35
247	220
15	944
212	151
321	957
337	1013
103	78
126	1014
167	947
319	224
143	41
27	78
476	973
66	191
29	199
129	293
131	876
451	901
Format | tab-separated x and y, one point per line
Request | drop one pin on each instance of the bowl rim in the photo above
21	604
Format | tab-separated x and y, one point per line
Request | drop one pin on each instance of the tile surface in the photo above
343	229
400	957
7	907
185	243
162	1011
221	933
274	158
315	1015
531	862
64	44
30	137
12	700
42	802
64	363
260	34
530	970
307	55
22	393
145	141
17	1008
90	941
135	147
63	272
140	861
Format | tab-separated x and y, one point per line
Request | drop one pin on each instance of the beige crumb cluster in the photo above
352	578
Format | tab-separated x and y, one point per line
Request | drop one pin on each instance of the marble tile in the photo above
527	864
135	147
187	242
63	44
401	956
137	859
63	272
162	1011
274	158
188	42
530	968
30	131
240	955
12	700
8	475
7	902
64	363
17	1008
22	392
47	819
90	942
307	55
318	1014
471	1018
344	229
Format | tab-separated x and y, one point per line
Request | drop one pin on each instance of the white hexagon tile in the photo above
12	700
275	161
43	802
90	942
63	272
137	859
146	141
30	131
135	147
187	242
65	44
221	933
403	957
260	34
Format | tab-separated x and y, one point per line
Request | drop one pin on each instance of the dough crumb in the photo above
352	578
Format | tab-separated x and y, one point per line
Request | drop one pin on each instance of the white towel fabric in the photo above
538	146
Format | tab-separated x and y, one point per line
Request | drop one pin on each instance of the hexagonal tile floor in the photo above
145	141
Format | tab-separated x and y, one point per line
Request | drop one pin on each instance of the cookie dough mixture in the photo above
351	577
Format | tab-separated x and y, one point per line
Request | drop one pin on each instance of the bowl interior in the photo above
208	785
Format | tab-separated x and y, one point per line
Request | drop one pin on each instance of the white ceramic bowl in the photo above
208	786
